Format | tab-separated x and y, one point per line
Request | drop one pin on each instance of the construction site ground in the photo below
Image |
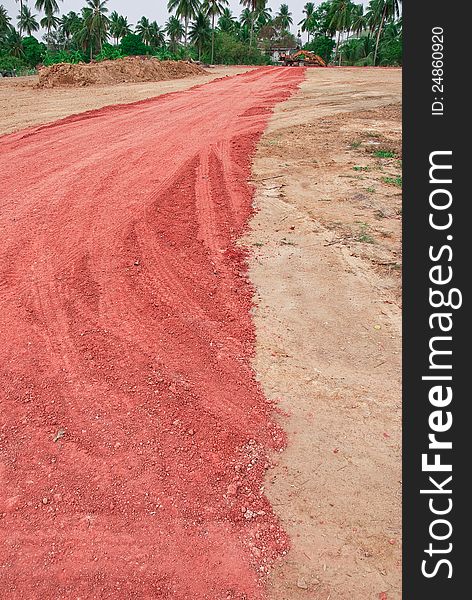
324	266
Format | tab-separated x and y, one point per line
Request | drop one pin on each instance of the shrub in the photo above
12	63
323	46
133	45
33	51
391	52
231	51
63	56
109	52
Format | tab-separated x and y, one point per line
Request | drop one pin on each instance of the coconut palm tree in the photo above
21	10
157	35
14	42
263	14
184	9
95	25
358	19
175	32
114	26
340	19
70	24
226	21
379	12
284	17
144	30
50	9
200	32
50	21
251	8
245	18
307	22
27	21
213	9
4	19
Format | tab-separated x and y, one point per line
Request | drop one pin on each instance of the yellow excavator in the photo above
303	58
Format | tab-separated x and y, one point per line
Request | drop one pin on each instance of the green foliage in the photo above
384	154
133	45
229	50
33	51
109	52
391	52
12	63
323	46
397	181
63	56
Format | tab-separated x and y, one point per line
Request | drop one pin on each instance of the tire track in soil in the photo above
126	329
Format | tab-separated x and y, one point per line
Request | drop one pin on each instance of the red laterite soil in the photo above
133	435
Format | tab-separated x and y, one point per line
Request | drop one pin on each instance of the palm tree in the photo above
263	14
186	10
21	11
284	17
70	24
157	35
226	21
95	25
4	19
114	26
119	26
175	32
379	12
200	32
144	30
50	8
251	8
307	22
27	21
15	42
213	8
245	18
358	20
340	19
50	21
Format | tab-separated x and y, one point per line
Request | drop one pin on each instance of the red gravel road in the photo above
134	437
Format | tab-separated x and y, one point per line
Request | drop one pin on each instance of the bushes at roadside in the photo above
323	46
63	56
33	51
133	45
12	63
229	50
109	52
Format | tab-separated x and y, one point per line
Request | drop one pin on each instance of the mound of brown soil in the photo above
124	70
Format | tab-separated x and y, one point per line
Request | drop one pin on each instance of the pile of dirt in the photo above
130	69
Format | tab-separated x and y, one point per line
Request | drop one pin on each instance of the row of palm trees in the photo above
345	17
199	11
197	21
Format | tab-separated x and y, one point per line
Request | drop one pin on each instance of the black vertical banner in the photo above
437	431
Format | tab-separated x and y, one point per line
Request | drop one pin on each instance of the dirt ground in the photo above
326	265
21	105
327	268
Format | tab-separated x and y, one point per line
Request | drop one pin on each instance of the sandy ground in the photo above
21	105
326	266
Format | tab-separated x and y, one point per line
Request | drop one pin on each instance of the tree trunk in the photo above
186	32
251	34
213	38
337	44
378	35
21	13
